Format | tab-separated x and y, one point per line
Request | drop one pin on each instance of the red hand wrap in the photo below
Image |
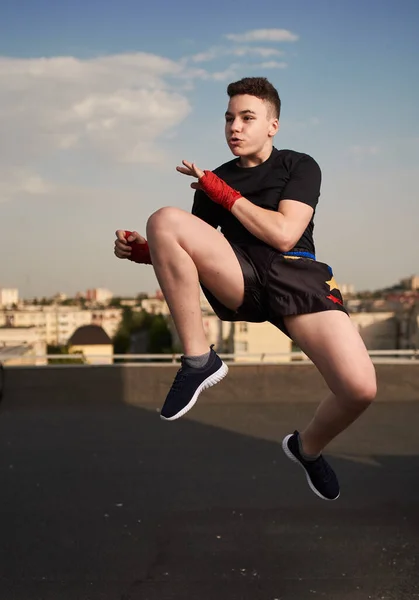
218	190
140	252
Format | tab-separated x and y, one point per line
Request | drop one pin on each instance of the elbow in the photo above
284	240
285	245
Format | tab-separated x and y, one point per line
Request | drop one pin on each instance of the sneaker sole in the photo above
207	383
291	456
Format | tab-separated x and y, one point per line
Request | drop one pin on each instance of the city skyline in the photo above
12	296
100	102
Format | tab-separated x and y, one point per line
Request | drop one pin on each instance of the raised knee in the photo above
364	391
165	218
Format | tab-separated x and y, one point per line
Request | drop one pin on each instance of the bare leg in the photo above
185	250
333	416
334	345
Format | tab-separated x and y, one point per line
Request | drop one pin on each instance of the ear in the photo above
273	127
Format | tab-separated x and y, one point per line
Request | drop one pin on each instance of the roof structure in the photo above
89	335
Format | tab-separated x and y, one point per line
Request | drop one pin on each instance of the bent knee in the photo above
363	390
167	218
367	392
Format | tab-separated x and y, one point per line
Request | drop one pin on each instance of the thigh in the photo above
218	267
332	342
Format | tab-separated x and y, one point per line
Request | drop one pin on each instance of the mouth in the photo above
235	140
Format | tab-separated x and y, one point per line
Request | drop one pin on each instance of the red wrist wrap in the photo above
218	190
140	252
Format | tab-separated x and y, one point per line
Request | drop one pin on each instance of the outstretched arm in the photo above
281	229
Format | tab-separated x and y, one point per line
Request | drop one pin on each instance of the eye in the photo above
248	118
228	119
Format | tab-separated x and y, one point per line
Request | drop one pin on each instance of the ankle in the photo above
198	362
194	349
307	447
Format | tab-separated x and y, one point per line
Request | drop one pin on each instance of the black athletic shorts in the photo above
278	284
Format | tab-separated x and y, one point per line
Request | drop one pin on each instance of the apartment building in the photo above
155	306
99	295
410	283
379	330
254	341
55	324
248	341
94	343
8	297
21	345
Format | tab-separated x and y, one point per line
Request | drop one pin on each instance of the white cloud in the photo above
364	150
109	109
191	74
263	35
255	51
230	73
239	51
273	64
112	108
208	55
116	105
17	182
302	125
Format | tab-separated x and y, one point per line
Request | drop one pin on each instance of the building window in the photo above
243	328
241	346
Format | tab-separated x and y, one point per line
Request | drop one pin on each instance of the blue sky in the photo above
99	101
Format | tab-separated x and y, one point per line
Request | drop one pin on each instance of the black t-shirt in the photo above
285	175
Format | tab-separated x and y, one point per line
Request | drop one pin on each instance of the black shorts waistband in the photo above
294	253
300	254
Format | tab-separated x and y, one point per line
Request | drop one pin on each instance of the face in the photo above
250	126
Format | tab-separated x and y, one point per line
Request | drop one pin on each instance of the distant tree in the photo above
160	338
121	342
127	318
45	301
141	296
115	302
69	302
142	320
61	361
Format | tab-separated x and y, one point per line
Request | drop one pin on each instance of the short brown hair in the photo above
259	87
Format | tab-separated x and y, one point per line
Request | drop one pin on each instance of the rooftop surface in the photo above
116	504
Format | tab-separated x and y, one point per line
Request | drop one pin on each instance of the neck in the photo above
253	160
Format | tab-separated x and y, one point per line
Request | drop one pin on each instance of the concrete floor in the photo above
119	505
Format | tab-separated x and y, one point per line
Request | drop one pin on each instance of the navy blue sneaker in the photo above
320	476
189	383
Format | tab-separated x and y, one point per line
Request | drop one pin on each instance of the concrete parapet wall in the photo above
147	386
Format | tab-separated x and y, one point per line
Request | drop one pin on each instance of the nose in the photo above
235	126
